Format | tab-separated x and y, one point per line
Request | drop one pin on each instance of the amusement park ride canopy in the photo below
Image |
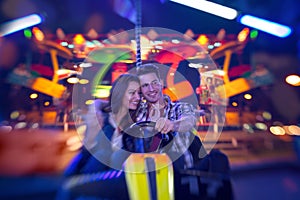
201	51
209	55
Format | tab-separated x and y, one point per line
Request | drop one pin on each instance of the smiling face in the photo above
151	87
131	97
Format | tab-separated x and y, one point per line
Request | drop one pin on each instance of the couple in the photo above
136	98
126	106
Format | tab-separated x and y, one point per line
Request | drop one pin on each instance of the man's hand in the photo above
164	125
184	124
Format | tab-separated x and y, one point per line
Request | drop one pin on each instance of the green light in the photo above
253	34
27	33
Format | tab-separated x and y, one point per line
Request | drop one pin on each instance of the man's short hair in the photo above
148	68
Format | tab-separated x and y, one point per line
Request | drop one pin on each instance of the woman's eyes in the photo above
133	92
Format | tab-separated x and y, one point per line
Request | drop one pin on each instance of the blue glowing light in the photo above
210	7
273	28
20	24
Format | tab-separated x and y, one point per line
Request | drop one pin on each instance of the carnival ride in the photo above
148	172
164	48
148	175
93	59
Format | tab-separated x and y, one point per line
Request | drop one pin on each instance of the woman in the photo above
123	102
104	150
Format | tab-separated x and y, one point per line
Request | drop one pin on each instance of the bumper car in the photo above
151	172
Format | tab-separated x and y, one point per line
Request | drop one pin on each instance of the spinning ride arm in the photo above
44	85
237	86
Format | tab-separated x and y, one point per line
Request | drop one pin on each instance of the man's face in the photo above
151	87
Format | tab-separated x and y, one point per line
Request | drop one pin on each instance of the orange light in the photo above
33	96
248	96
242	36
235	104
38	34
277	130
78	39
293	80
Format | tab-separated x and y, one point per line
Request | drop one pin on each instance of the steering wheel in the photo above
141	137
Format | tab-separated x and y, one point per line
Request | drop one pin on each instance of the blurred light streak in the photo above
5	129
293	80
243	35
259	118
261	126
38	34
83	81
267	26
20	24
89	102
210	7
35	125
293	129
248	128
33	96
248	96
85	65
14	115
266	115
102	92
277	130
20	125
73	80
46	103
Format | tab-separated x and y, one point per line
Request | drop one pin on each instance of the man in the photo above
176	117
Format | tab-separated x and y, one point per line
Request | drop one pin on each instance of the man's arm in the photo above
186	117
185	120
185	123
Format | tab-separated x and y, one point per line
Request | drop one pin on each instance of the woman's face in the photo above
132	97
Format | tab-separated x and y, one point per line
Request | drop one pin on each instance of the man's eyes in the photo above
145	85
153	83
